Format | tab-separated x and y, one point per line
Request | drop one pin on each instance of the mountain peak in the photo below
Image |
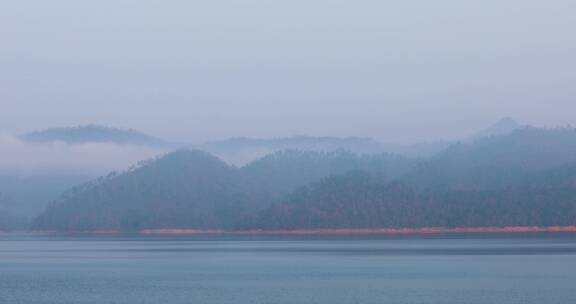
506	122
503	126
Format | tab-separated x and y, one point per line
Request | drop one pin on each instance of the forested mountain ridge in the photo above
192	189
184	188
497	161
362	200
93	134
526	177
284	171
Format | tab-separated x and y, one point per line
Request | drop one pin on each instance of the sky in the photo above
184	70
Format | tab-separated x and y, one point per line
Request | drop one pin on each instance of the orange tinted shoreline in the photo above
357	231
335	231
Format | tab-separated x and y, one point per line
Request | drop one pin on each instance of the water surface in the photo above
533	269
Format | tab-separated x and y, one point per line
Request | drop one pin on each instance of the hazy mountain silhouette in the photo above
524	177
504	126
497	161
192	189
244	149
93	134
181	189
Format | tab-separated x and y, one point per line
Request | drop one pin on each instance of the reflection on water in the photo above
407	269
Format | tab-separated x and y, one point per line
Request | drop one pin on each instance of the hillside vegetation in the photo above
192	189
526	177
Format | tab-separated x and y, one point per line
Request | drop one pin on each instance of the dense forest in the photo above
497	161
523	178
193	189
362	200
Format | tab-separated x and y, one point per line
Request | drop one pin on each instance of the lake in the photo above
459	269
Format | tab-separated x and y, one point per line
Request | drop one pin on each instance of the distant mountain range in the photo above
192	189
93	134
497	161
24	195
243	150
262	161
525	177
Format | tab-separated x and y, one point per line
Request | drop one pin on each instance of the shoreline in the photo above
365	231
331	231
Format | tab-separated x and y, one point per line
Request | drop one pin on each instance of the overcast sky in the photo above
400	71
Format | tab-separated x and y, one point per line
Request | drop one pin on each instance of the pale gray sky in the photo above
400	71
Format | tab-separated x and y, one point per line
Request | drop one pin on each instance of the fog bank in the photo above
23	158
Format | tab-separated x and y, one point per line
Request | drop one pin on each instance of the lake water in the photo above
535	269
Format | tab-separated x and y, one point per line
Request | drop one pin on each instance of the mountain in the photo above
284	171
502	127
561	177
361	200
497	161
182	189
93	134
525	177
192	189
42	172
243	150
